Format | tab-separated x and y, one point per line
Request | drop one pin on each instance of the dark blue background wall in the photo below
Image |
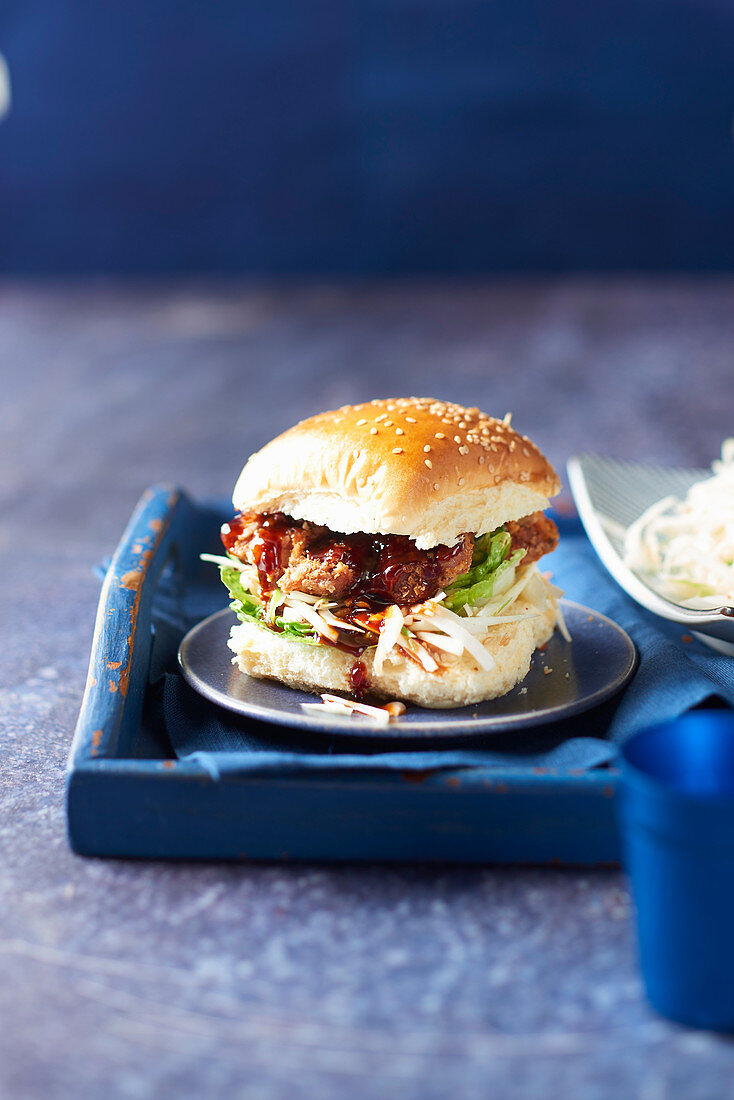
372	136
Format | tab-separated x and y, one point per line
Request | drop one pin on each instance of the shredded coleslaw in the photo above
685	548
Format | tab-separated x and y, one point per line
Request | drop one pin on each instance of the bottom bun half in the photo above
318	668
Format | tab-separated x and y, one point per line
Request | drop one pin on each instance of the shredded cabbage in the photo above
685	548
390	631
336	705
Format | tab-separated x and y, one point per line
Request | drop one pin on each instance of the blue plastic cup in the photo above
676	813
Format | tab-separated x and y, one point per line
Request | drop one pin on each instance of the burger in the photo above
391	549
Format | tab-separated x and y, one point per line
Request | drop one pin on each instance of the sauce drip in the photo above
270	540
358	678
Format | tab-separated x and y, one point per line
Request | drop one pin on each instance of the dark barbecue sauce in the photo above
397	558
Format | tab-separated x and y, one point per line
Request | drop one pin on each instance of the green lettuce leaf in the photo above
250	609
489	563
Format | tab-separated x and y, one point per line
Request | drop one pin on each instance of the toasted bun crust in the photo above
316	668
409	466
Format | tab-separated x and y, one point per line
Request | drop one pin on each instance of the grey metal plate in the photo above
597	663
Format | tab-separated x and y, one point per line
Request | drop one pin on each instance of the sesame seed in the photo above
411	420
356	453
373	431
399	431
481	460
435	485
380	417
526	452
397	450
388	423
361	422
439	435
428	463
461	481
427	448
225	528
462	423
463	450
457	439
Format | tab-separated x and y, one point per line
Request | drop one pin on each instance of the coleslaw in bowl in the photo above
685	548
653	526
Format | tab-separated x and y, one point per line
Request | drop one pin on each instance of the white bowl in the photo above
610	495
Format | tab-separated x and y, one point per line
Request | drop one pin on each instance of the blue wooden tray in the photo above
127	795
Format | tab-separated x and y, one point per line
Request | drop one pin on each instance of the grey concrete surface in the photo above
155	980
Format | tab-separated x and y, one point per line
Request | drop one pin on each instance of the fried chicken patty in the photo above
297	556
302	557
536	534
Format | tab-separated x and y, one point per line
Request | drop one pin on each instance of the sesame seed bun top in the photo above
407	466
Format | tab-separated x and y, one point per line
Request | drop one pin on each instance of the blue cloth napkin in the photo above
674	675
